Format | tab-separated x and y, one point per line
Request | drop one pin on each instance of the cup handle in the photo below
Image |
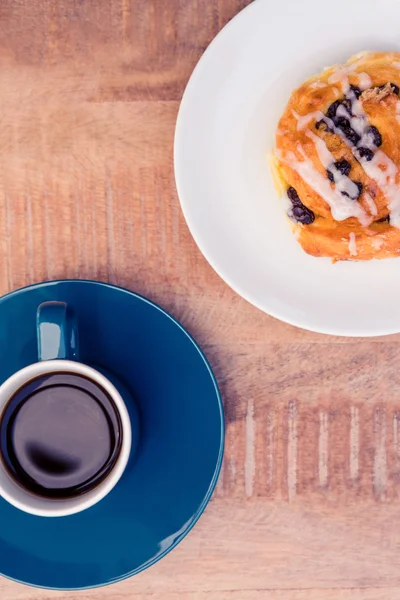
56	332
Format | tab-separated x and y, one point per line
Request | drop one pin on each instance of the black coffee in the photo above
60	435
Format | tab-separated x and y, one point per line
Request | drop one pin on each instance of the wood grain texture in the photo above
308	503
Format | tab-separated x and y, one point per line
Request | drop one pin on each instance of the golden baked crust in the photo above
338	157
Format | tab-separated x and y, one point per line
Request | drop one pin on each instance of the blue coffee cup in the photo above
58	352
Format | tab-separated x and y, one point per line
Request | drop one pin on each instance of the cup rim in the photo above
33	504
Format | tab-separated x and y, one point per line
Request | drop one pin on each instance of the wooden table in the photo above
308	504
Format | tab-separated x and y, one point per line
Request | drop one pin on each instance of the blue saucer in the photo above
170	479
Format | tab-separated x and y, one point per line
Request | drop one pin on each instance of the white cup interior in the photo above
31	503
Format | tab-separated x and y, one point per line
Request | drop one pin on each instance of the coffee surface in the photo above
60	435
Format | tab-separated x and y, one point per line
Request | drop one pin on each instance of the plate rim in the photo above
237	287
213	482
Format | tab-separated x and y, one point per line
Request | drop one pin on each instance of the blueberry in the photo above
356	91
323	125
360	187
343	166
376	136
303	215
366	153
342	123
300	213
395	87
293	196
347	104
352	136
331	112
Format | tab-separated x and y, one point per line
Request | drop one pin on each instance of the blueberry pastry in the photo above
337	159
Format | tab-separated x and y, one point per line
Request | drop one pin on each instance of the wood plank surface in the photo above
308	503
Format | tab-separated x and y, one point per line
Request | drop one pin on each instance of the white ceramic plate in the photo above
225	128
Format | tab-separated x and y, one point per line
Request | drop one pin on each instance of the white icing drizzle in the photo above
361	55
357	122
386	179
318	84
341	76
364	81
302	122
341	207
381	168
377	242
352	244
342	182
396	64
371	204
